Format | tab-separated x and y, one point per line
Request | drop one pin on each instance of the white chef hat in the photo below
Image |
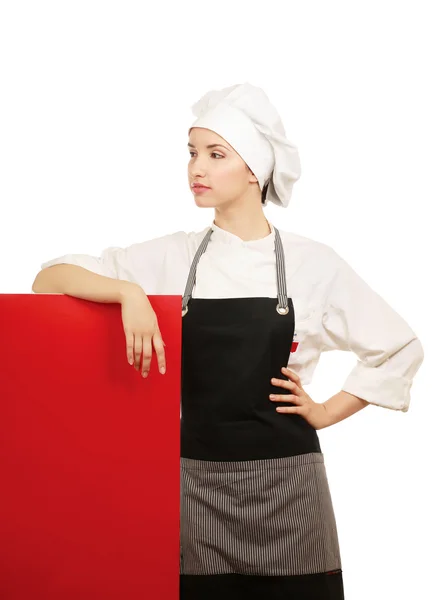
243	115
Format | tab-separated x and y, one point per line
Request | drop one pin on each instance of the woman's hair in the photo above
265	187
264	190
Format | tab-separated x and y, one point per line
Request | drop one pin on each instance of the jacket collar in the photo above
226	237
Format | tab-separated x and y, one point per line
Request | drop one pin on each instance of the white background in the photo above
95	107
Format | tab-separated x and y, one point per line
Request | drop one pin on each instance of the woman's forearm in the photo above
81	283
343	405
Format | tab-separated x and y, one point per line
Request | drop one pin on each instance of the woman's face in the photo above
219	167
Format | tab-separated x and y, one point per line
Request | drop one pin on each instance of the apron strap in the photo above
282	306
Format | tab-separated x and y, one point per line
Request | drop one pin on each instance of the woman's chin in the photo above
204	202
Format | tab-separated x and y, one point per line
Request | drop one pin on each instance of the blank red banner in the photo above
89	453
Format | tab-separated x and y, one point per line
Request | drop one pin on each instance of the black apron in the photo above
256	511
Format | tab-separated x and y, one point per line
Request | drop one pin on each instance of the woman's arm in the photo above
81	283
343	405
138	317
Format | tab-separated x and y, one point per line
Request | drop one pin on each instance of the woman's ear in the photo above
253	178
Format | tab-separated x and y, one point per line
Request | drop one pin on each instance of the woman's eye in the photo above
216	153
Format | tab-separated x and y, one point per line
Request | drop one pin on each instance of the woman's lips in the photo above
199	189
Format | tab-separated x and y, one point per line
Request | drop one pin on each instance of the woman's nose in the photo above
197	169
197	165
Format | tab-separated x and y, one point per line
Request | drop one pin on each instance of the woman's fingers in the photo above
289	385
158	344
130	347
138	347
284	397
281	383
147	355
141	329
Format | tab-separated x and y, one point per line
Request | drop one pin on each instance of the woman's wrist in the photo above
128	288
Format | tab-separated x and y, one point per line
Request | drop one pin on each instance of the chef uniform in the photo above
257	519
256	512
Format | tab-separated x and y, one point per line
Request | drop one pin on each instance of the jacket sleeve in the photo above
143	263
356	318
106	264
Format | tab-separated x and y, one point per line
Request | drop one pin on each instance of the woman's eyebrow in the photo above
209	146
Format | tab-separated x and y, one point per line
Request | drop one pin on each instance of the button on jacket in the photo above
335	309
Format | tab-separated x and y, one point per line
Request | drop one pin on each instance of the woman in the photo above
256	513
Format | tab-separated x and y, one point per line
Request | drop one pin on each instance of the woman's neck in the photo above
248	226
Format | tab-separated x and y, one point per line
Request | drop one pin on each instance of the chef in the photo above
259	307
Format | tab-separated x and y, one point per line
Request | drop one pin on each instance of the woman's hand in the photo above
313	412
141	330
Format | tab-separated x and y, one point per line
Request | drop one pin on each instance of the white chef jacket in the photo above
335	309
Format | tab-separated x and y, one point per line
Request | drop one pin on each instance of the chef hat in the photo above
243	115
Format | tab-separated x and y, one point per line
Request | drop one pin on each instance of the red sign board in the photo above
89	453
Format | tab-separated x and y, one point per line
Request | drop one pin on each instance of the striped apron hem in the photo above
271	517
